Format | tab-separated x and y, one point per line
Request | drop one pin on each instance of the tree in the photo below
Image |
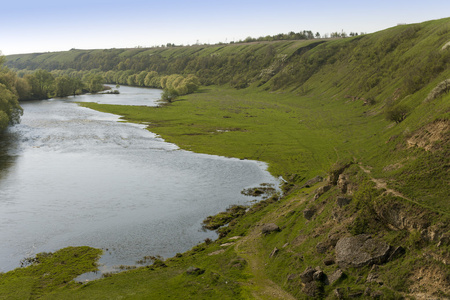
66	86
42	84
10	110
169	95
94	83
397	113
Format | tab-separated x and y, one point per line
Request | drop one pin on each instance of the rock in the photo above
274	252
320	191
312	289
194	271
319	275
337	170
396	253
328	262
342	183
269	228
343	201
361	250
373	276
307	275
309	213
338	274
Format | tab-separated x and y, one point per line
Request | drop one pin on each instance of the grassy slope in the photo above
303	130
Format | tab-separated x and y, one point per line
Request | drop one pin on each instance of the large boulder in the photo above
269	228
361	250
307	275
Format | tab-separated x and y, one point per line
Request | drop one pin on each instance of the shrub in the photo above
397	113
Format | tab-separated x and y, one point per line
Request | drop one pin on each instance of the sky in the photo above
57	25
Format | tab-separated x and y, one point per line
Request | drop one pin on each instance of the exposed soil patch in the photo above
428	136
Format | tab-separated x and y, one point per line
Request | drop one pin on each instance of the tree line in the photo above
10	110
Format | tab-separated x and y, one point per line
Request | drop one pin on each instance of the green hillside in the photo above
369	114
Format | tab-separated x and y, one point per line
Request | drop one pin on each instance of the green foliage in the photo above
397	113
169	95
94	82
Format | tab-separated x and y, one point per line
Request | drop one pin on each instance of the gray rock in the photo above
328	262
338	274
361	250
319	276
307	275
342	183
343	201
269	228
309	213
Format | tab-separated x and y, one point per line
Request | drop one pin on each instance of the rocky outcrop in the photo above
400	216
361	250
269	228
342	183
307	275
320	191
337	170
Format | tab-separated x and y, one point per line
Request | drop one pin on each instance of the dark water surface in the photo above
71	176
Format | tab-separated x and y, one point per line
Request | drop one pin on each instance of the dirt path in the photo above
260	285
381	184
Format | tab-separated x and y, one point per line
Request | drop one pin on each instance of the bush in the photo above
397	113
169	95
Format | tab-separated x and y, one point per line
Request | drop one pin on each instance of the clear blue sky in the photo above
55	25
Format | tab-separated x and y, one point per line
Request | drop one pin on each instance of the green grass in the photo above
48	272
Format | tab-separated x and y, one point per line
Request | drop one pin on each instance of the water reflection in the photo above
8	145
74	176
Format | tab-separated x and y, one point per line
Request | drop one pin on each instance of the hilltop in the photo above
358	128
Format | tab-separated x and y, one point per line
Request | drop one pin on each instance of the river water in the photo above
71	176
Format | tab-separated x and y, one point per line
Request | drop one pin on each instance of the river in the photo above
72	176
